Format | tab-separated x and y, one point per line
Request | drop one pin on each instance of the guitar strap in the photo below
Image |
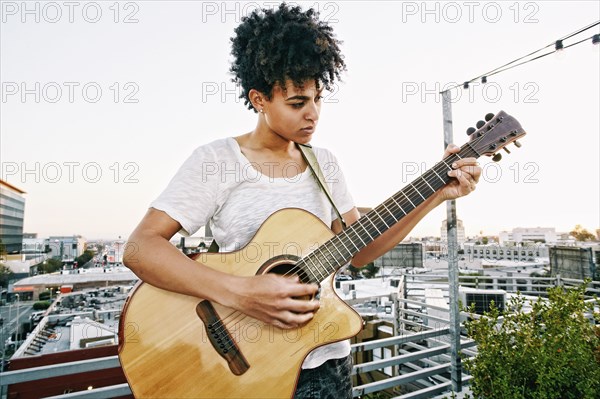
313	164
311	160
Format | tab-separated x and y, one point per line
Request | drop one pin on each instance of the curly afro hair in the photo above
272	46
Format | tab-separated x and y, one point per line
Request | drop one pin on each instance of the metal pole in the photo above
455	361
17	335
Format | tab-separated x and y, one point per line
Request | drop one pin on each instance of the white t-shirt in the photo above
217	185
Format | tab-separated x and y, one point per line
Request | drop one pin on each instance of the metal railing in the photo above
420	358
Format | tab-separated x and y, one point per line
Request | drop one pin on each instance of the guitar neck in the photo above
338	251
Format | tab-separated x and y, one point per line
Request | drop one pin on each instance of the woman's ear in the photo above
257	99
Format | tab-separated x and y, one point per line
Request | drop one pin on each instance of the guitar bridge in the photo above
220	338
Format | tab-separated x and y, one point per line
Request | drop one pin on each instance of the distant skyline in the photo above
103	101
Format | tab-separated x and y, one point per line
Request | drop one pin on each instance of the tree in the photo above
551	352
581	234
370	270
5	275
2	250
85	257
50	266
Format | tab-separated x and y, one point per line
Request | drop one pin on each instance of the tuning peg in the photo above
489	117
470	131
480	124
506	149
497	157
517	144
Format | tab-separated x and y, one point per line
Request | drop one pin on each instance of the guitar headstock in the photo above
495	134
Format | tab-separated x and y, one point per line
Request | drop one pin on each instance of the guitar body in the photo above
167	351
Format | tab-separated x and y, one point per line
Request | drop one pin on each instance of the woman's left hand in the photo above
466	173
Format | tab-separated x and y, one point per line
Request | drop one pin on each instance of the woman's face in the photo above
293	112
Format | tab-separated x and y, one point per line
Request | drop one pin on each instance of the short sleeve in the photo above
190	196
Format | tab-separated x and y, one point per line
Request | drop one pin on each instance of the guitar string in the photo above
422	179
226	323
421	182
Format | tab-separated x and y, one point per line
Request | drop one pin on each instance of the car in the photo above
343	277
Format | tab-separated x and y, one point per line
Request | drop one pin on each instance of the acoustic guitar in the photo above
178	346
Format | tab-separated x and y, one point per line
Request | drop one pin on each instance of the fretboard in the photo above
338	251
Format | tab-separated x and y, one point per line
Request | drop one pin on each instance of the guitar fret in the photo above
330	253
396	202
383	220
418	192
337	249
342	241
408	199
319	267
358	235
369	219
366	231
433	170
476	154
426	182
325	257
390	212
314	268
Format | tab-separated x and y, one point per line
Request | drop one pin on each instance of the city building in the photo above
547	235
78	326
115	251
516	253
403	255
12	213
575	262
74	280
33	246
66	248
460	231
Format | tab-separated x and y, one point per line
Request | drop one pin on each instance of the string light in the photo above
558	47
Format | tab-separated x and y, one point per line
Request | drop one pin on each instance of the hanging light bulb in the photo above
558	49
558	45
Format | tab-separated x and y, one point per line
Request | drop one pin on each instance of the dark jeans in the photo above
331	380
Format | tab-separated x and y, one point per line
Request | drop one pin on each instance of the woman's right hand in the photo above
274	299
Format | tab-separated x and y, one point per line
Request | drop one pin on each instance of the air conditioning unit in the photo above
481	299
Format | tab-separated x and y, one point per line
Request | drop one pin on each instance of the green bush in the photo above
41	305
44	295
552	352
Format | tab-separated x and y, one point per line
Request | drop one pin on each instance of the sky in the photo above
102	101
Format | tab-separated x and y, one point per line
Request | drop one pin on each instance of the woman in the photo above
283	60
